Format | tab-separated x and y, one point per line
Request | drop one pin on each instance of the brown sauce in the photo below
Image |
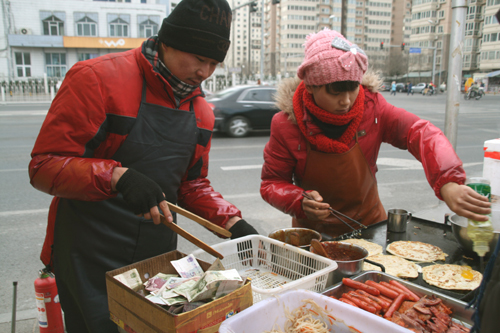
341	252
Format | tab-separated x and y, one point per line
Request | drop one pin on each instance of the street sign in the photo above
415	50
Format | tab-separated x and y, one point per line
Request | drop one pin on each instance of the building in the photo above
48	37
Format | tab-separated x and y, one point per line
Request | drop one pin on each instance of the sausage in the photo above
366	299
383	290
395	305
384	298
383	303
360	285
413	296
396	289
360	303
345	300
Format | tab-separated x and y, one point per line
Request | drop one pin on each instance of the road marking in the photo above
23	113
242	167
239	147
244	195
24	212
11	170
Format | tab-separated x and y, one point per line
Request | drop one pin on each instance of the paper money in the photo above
175	300
186	288
217	266
187	267
156	282
156	299
214	284
131	279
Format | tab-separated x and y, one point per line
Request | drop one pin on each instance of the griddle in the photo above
425	231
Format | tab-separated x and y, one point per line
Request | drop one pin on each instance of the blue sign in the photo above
415	50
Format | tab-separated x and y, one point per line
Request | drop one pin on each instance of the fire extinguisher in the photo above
47	303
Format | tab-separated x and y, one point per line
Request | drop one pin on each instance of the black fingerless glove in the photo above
242	228
140	192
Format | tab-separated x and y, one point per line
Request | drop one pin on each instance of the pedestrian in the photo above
126	133
326	138
393	88
410	89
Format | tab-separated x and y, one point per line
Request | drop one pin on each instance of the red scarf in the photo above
304	102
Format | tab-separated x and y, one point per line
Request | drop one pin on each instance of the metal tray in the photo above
425	231
460	313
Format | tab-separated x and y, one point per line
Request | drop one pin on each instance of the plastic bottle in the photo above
480	232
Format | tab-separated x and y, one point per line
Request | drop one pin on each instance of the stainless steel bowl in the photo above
306	235
459	229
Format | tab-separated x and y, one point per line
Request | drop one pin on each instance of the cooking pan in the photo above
350	259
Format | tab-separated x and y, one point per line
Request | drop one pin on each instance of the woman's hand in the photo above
466	202
315	210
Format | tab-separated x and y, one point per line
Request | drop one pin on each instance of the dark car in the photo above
386	86
401	87
241	109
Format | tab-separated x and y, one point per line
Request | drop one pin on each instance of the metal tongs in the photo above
337	214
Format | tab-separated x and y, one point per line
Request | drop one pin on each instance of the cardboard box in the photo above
133	312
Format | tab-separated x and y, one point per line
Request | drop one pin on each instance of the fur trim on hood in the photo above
287	87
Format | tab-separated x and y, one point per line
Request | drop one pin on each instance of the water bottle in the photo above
480	232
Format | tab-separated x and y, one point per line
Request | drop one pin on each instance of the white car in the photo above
418	88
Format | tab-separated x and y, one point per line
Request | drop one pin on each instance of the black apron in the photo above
91	238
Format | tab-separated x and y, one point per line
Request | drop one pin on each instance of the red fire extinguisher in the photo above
47	302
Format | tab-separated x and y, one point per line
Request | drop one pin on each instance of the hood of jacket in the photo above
284	96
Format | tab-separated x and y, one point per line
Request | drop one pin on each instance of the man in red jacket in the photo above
126	133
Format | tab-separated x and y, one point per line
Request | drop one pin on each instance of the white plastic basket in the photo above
273	266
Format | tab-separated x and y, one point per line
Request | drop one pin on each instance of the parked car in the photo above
386	86
419	87
401	87
241	109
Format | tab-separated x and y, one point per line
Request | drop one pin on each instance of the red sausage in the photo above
360	303
395	305
360	285
396	289
345	300
383	290
366	299
413	296
387	299
384	304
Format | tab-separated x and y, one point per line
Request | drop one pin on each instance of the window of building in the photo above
86	25
493	37
118	25
148	25
55	64
23	64
440	29
52	26
86	56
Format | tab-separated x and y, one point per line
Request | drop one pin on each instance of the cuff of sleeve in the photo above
241	229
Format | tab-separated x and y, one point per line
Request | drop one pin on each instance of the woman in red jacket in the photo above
327	137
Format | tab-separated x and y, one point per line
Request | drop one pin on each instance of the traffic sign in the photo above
415	50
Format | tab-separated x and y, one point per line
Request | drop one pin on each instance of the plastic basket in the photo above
273	266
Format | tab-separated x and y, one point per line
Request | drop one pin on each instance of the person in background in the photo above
126	133
442	87
326	141
410	89
393	88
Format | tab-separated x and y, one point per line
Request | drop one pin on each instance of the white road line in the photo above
239	147
23	113
242	167
11	170
24	212
244	195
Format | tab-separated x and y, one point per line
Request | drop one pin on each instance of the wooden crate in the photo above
133	312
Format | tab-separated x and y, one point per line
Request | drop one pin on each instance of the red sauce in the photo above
343	252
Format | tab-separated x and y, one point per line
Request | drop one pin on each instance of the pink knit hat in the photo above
329	57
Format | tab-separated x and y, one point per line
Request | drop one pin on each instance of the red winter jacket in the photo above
285	153
88	121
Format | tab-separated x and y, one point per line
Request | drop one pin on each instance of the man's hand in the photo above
141	193
466	202
315	210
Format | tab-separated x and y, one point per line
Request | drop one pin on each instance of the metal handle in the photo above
376	264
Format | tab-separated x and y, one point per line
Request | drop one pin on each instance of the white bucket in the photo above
491	171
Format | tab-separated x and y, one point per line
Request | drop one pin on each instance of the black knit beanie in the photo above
201	27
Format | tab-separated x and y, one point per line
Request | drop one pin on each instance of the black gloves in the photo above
139	191
242	228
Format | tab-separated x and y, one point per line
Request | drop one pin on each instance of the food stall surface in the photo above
434	233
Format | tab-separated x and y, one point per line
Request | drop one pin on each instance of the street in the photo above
235	166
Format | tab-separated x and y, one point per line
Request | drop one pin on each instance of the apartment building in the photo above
50	36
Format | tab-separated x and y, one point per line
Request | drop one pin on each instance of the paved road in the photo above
234	171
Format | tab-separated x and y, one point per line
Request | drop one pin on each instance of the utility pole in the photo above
459	8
